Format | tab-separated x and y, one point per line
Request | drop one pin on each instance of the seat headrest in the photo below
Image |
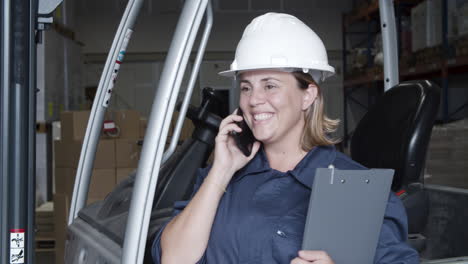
396	130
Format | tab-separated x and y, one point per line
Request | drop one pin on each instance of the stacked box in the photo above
142	124
67	154
116	158
122	173
187	127
426	23
61	210
185	133
114	153
447	155
73	125
45	221
117	151
462	18
128	122
424	29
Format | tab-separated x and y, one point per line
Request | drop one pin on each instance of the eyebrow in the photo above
262	80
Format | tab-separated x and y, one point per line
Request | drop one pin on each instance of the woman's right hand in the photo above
227	156
312	256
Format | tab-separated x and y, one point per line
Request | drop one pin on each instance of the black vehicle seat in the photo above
395	133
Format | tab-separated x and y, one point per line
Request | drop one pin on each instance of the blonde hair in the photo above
318	126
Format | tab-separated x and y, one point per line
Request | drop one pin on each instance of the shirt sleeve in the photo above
392	247
178	207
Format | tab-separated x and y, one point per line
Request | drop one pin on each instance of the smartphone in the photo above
245	139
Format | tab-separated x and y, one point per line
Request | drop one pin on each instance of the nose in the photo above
257	97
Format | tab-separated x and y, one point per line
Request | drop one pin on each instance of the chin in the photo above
262	137
264	132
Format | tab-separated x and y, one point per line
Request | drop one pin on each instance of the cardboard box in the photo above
127	153
64	181
187	128
143	126
123	173
447	155
61	210
67	154
426	23
128	122
105	154
92	200
102	183
45	221
73	125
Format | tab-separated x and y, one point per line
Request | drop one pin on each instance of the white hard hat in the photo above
283	42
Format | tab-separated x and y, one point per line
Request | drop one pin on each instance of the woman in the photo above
252	209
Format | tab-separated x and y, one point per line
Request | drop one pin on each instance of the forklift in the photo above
120	228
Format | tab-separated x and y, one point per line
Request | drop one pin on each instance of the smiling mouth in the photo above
263	116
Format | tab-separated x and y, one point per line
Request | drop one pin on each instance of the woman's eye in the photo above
270	86
245	89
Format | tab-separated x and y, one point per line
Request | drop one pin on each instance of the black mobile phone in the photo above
245	139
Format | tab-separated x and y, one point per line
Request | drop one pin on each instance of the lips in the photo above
262	116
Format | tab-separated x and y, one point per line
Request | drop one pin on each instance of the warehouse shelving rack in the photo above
442	67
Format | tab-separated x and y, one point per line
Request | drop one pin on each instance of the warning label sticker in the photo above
17	255
17	240
17	246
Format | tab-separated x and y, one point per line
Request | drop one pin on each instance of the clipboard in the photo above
346	212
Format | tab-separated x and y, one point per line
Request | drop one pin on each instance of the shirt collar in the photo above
318	157
304	172
257	165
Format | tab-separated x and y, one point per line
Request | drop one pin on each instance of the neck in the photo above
284	157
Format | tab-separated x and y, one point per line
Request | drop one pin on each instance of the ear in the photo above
309	96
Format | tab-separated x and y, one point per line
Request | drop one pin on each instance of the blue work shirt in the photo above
261	217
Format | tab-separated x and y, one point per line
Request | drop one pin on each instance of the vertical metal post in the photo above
16	136
19	155
66	71
345	99
398	22
389	41
31	189
163	106
103	94
445	51
193	78
5	133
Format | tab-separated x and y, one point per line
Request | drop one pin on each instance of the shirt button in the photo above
280	233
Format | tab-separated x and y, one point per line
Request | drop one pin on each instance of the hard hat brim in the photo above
327	70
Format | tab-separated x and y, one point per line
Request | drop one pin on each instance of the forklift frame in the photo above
158	123
17	121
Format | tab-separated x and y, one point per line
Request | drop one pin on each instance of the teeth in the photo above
263	116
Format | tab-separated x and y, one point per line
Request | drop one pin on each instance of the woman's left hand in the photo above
311	256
